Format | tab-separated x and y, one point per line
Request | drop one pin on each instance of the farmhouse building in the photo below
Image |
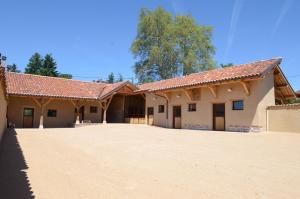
233	98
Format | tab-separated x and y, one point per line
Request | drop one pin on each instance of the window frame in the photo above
53	111
238	109
189	107
92	110
161	110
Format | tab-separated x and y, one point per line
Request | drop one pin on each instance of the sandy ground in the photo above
136	161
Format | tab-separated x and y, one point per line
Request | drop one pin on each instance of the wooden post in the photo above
41	126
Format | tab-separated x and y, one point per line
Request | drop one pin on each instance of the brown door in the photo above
28	115
150	115
81	112
177	117
219	117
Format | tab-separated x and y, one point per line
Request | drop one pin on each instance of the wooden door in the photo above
219	117
177	117
150	115
81	112
28	116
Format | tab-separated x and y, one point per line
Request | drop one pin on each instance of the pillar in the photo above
104	116
41	126
77	116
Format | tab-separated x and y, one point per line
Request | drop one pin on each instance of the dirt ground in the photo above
137	161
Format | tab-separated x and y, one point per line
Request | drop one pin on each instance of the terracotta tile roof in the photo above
250	70
35	85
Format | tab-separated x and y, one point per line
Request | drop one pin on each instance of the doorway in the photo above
81	112
219	117
150	116
177	117
28	116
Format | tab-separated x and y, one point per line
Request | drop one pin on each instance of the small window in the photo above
52	113
28	112
161	108
93	109
192	107
238	105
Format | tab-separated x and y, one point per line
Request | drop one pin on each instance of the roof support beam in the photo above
189	94
213	90
281	86
246	87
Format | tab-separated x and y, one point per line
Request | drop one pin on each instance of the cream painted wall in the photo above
3	107
65	112
253	117
284	119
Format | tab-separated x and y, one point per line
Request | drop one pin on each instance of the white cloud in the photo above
238	4
284	10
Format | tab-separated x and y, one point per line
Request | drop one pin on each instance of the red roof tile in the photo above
254	69
36	85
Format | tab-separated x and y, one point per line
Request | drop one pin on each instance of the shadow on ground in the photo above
14	183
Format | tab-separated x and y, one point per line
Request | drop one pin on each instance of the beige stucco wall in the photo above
65	112
3	107
284	118
253	116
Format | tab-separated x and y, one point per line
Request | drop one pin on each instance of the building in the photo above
234	99
3	102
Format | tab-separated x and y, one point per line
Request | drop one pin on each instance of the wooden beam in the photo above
189	94
166	95
36	101
246	87
281	86
213	90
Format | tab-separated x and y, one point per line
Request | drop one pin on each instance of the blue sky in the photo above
90	39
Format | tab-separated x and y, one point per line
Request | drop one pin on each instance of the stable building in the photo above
233	98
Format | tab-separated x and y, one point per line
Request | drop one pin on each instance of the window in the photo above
28	112
161	108
93	109
192	107
238	105
52	113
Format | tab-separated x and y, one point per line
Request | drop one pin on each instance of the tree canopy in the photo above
12	68
226	65
111	78
44	66
167	46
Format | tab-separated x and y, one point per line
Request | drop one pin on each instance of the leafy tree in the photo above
12	68
120	78
166	47
35	64
194	45
226	65
111	78
48	67
65	75
155	46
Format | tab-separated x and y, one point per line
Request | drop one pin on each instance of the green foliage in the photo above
12	68
111	78
48	67
65	75
194	45
166	47
120	78
293	101
226	65
35	64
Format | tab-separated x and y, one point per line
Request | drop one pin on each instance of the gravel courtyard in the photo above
137	161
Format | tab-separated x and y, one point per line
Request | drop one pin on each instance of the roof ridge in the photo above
57	78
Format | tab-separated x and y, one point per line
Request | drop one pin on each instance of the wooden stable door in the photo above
177	117
219	117
150	115
28	116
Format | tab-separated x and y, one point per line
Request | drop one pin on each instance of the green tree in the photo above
12	68
155	46
65	75
35	64
120	78
226	65
166	47
111	78
48	67
194	45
